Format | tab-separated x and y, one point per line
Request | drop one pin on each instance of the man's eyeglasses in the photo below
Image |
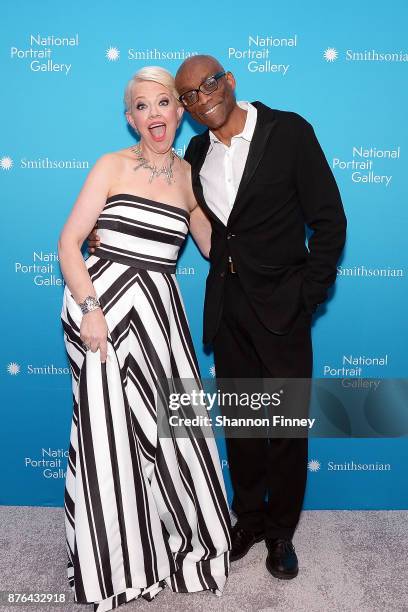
208	86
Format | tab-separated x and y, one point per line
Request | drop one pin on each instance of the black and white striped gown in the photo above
141	511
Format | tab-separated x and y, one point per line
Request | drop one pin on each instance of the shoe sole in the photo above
281	575
258	539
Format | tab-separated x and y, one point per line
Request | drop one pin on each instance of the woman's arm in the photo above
200	229
84	214
200	226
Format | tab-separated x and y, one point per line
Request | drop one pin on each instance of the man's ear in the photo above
231	80
180	112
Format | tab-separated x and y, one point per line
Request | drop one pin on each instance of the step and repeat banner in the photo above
343	66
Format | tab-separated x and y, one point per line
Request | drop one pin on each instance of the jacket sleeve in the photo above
323	212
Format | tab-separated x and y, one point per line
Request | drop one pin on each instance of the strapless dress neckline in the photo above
137	198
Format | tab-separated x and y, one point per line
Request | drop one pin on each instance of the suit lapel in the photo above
196	166
264	125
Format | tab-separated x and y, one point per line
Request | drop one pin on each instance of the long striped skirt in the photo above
142	510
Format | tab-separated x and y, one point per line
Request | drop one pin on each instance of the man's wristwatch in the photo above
90	303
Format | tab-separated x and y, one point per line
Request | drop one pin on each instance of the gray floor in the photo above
349	561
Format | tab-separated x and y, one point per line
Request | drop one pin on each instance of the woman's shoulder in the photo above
184	167
116	157
112	162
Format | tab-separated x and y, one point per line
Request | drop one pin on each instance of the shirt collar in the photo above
249	127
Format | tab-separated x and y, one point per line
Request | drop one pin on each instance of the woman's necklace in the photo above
142	162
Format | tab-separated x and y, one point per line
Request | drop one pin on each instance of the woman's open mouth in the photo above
158	131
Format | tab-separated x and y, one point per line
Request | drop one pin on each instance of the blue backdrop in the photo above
64	66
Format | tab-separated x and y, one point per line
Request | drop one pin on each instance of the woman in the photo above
142	510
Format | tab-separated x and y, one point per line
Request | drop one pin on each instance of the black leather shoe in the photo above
281	561
242	540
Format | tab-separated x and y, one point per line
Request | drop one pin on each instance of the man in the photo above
260	175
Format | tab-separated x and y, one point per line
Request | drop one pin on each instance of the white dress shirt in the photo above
223	166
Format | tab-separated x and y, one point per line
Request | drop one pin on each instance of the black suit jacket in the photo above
286	184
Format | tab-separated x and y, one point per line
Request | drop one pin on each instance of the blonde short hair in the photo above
150	73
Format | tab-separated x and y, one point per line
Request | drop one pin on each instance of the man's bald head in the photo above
202	61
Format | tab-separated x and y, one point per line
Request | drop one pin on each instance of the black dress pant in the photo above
268	474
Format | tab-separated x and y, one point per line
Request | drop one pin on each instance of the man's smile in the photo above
210	110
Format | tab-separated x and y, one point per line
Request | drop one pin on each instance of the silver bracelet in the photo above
90	303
